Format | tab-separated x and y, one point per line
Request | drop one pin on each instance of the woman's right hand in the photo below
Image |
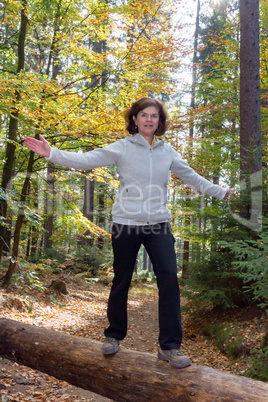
41	147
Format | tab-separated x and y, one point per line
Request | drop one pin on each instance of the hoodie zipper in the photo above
150	179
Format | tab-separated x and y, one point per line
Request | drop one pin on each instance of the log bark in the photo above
125	376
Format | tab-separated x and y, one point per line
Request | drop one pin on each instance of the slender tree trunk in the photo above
232	152
186	244
49	208
250	121
29	242
101	215
150	266
19	223
88	205
89	186
34	231
54	62
34	241
214	219
145	260
13	127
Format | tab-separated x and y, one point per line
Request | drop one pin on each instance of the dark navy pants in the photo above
159	243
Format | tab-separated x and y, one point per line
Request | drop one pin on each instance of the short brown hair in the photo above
142	104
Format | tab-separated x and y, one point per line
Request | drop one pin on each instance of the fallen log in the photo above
125	376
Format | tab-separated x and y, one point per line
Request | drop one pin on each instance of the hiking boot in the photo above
110	346
175	357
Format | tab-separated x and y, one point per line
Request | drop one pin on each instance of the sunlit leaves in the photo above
85	62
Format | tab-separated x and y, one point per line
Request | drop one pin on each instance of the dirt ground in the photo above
83	313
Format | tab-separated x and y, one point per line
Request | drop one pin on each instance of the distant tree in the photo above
186	243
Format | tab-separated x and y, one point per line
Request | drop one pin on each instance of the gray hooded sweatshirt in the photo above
143	173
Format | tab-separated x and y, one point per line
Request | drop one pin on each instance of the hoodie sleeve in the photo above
88	160
181	169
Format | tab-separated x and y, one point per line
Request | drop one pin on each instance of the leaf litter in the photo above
82	312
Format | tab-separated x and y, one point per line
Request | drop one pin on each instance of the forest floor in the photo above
82	312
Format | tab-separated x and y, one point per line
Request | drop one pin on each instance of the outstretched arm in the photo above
41	147
181	169
77	160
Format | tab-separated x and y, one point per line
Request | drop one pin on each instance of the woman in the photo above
140	216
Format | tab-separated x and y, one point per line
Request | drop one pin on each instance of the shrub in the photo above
251	264
55	253
215	282
27	281
87	259
211	277
92	259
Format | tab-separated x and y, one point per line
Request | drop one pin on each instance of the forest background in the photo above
68	70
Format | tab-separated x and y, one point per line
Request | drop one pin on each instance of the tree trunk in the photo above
34	231
186	248
88	205
250	119
186	243
49	208
101	213
54	60
145	260
13	127
18	225
150	266
125	376
89	186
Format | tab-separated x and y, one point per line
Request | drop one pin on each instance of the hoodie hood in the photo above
139	139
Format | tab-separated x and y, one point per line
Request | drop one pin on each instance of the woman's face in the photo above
147	121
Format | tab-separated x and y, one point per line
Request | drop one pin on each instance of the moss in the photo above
259	361
227	338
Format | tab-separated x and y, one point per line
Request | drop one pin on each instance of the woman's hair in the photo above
142	104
